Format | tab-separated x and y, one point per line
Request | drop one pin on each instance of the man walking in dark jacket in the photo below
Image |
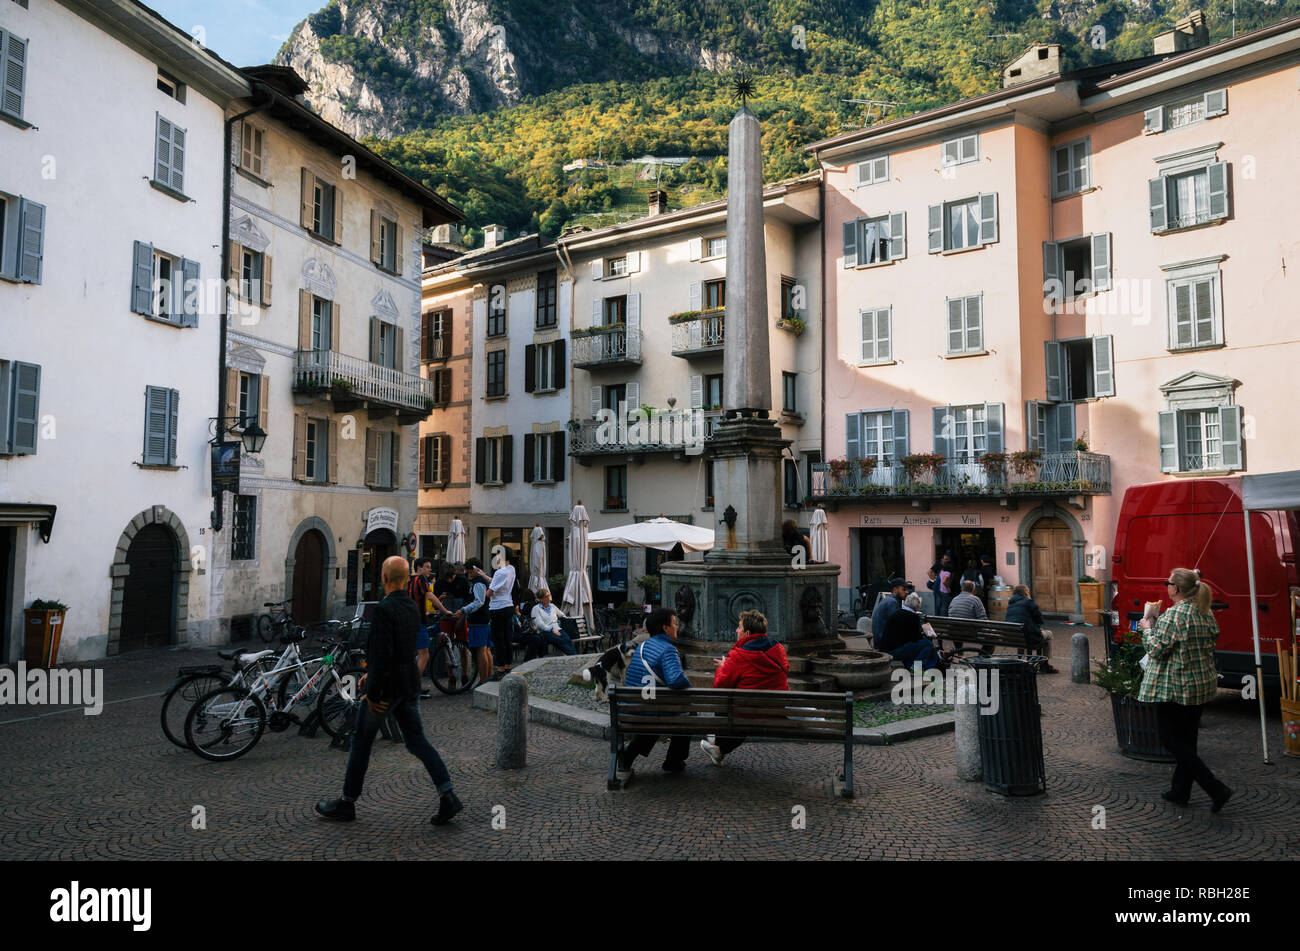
393	681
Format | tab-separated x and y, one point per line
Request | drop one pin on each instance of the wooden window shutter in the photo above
375	348
299	446
399	349
306	210
304	320
444	384
507	458
332	450
338	214
191	293
264	402
444	459
235	266
376	238
557	456
1159	204
424	444
232	394
14	61
851	243
372	451
395	459
530	447
480	460
445	334
934	216
335	339
266	280
426	336
397	239
560	370
26	408
31	240
142	279
530	369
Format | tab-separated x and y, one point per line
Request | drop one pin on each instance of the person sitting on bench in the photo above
756	663
1021	609
967	604
905	638
546	624
655	664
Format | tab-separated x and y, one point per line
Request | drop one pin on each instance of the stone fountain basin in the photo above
853	669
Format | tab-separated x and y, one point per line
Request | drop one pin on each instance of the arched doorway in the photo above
308	577
149	590
1051	546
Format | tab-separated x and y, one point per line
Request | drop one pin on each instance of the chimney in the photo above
445	234
1188	33
1039	60
658	202
493	235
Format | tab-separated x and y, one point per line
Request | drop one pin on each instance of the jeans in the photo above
407	714
678	747
560	640
1178	725
941	602
922	650
501	620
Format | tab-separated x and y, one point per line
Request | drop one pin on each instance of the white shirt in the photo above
503	582
547	619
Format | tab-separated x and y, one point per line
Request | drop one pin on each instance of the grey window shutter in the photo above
900	435
597	269
480	460
1033	416
1168	429
1052	287
697	392
898	236
1218	174
595	402
173	413
634	262
1061	170
884	334
851	243
15	72
155	425
942	426
1230	433
935	224
178	159
163	152
26	407
695	296
880	169
1063	414
142	279
507	458
191	293
1101	261
1153	120
1216	103
376	348
1159	204
853	436
530	447
1054	365
1051	427
988	218
530	371
951	152
975	323
956	325
1180	327
557	456
695	248
31	241
868	319
633	326
632	395
597	311
994	426
1103	366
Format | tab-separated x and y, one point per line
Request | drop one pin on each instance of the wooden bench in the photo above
988	634
576	628
771	714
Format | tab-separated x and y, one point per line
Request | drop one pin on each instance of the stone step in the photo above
702	661
818	682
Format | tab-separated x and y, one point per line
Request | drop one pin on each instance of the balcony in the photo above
352	383
600	348
1053	475
698	334
670	433
438	349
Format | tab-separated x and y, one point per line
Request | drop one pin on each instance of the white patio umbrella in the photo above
820	537
661	533
577	592
537	560
456	541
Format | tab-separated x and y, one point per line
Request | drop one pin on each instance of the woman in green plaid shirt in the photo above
1180	679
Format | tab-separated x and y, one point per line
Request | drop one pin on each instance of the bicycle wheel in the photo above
338	702
290	684
451	671
178	700
265	628
225	723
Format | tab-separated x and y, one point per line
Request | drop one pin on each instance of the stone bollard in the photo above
966	715
1080	669
512	722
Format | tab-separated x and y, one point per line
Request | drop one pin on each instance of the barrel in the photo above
999	597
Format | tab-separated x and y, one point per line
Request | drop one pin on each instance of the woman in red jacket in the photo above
756	663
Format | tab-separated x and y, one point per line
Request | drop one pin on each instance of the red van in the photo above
1197	523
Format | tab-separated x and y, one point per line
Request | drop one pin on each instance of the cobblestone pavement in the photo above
110	786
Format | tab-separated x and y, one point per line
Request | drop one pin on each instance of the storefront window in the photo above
611	574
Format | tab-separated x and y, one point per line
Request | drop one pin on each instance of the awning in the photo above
1274	490
15	513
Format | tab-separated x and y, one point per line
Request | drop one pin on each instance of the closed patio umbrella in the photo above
577	592
537	560
456	542
820	536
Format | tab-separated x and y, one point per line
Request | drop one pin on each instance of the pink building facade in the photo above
1064	287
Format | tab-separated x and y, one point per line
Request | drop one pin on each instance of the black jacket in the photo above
903	627
1022	610
390	652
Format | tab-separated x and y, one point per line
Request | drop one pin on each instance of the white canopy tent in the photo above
660	533
1271	492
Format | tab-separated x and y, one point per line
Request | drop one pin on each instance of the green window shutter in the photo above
1103	366
956	324
1062	427
1101	261
1052	287
853	436
1159	204
1218	174
142	279
900	434
156	413
26	403
993	414
934	217
1053	359
31	240
988	205
850	243
14	61
898	236
1168	430
191	293
942	426
530	447
507	458
173	414
1230	433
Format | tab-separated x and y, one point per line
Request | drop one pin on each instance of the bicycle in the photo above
452	665
226	723
277	622
193	682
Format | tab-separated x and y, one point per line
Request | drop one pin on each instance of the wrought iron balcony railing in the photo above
1055	474
614	346
670	432
699	336
351	378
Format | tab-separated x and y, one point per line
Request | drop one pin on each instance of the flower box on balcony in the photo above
794	325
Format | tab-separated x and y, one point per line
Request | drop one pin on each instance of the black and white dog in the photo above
612	665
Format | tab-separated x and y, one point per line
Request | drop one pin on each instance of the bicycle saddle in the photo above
252	658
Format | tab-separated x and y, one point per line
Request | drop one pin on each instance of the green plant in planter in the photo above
1120	674
1088	579
429	404
557	583
649	583
341	384
1081	442
795	325
574	425
41	604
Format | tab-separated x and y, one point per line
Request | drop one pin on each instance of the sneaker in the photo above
448	806
715	754
1221	800
340	810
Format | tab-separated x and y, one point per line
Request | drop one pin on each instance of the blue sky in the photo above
243	32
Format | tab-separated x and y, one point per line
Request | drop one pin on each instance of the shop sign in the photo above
923	520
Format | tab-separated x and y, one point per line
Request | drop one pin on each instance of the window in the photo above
169	157
713	391
435	460
715	295
964	433
250	275
613	396
13	58
166	287
708	484
1189	193
969	223
877	434
496	373
544	457
1071	168
435	338
441	380
22	239
321	324
1195	319
250	398
383	473
251	149
1080	369
791	485
1049	427
615	310
387	258
1201	438
877	336
496	318
788	308
789	402
873	171
616	267
715	247
20	399
315	451
494	460
870	241
1076	267
1185	112
245	528
160	415
961	151
171	86
385	343
965	325
616	487
544	367
321	211
546	285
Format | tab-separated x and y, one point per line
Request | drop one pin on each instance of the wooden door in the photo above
1052	555
308	578
149	594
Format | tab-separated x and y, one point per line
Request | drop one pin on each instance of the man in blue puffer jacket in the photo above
655	661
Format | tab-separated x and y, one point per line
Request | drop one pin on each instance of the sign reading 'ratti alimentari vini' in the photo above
925	520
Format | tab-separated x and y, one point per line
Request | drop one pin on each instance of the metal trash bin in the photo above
1011	740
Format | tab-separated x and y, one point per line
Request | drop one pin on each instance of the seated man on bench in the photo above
1021	609
655	662
905	638
756	663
